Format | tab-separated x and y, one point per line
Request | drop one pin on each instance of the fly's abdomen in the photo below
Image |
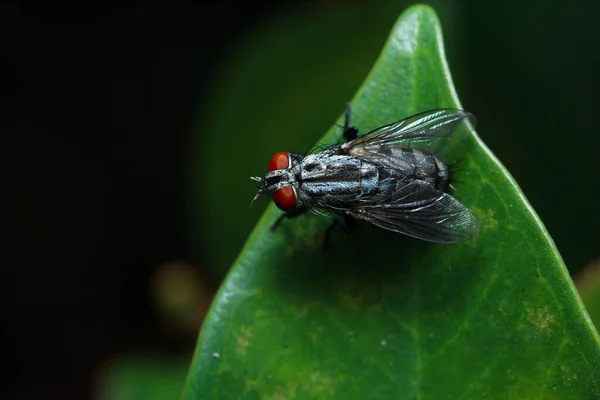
406	164
431	169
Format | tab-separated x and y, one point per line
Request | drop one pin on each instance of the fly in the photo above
389	177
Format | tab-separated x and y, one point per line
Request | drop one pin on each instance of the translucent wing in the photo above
422	130
407	202
421	212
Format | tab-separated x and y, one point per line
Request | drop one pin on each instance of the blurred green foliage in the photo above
141	377
588	284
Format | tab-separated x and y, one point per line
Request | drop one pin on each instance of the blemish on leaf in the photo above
244	340
321	384
540	317
487	218
279	394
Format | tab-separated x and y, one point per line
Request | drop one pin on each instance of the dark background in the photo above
99	103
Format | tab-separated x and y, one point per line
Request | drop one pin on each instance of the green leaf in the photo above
380	315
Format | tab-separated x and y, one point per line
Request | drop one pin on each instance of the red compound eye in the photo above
279	161
285	198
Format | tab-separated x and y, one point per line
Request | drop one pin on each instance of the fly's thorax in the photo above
335	178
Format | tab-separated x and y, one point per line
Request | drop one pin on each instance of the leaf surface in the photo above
380	315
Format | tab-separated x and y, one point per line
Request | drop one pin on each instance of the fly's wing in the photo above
415	207
422	212
440	220
425	130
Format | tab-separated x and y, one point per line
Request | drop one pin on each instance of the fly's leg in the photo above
347	116
350	132
289	214
347	224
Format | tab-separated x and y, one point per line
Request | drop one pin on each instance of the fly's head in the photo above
281	181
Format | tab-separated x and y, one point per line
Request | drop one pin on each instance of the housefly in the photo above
392	177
